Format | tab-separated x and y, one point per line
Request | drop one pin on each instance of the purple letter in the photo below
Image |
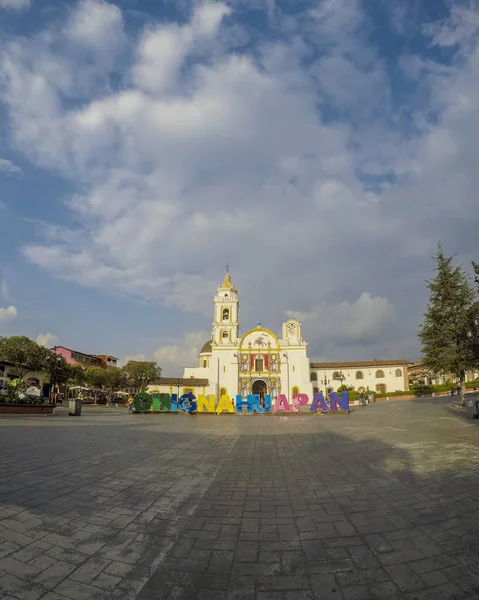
319	403
343	403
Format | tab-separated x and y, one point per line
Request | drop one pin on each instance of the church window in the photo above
205	363
273	365
258	364
359	375
314	377
398	373
379	374
381	388
245	367
187	391
224	335
274	392
294	391
294	368
226	314
222	392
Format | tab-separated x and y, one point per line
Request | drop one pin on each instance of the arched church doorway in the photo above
259	387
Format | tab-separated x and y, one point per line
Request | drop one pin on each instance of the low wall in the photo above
26	409
387	398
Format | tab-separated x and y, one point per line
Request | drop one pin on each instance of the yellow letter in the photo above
225	404
206	402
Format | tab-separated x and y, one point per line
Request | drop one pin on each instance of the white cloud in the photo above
162	50
15	4
203	153
97	26
176	355
46	339
128	357
6	166
7	314
364	322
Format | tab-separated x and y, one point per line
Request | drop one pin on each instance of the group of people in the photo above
456	390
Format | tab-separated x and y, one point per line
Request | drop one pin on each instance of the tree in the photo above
140	373
445	332
96	377
76	375
114	378
25	355
57	367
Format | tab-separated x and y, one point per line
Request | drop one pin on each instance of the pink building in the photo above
73	357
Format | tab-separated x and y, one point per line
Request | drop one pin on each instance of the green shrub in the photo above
426	390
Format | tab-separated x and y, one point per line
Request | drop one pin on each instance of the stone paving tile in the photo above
383	504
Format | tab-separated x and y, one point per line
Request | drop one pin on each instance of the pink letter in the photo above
281	404
299	400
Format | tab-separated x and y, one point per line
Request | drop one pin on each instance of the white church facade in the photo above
258	362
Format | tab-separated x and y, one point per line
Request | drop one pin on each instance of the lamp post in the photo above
340	377
325	382
238	380
287	371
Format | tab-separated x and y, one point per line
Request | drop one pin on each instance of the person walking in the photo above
130	404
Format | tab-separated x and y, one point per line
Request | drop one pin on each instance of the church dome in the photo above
206	349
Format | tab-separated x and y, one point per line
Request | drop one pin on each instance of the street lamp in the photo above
238	379
340	377
325	382
287	372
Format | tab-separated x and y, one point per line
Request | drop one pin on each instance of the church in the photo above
258	362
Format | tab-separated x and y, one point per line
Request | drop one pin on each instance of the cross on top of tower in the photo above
227	266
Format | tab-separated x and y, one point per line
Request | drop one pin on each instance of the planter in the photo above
26	409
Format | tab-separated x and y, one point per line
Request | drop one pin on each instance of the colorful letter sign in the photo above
189	403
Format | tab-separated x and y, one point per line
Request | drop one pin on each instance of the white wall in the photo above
369	381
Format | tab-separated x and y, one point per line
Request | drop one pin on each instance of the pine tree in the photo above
445	332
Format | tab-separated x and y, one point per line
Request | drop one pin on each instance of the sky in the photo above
320	147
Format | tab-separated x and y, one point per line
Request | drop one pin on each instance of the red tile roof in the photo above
181	381
362	363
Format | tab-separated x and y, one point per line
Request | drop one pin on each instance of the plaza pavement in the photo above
382	503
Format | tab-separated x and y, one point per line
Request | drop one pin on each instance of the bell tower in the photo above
225	323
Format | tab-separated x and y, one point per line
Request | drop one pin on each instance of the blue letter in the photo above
240	403
187	402
257	406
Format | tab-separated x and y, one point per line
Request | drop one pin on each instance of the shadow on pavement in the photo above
267	509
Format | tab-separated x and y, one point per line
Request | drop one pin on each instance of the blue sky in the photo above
322	147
